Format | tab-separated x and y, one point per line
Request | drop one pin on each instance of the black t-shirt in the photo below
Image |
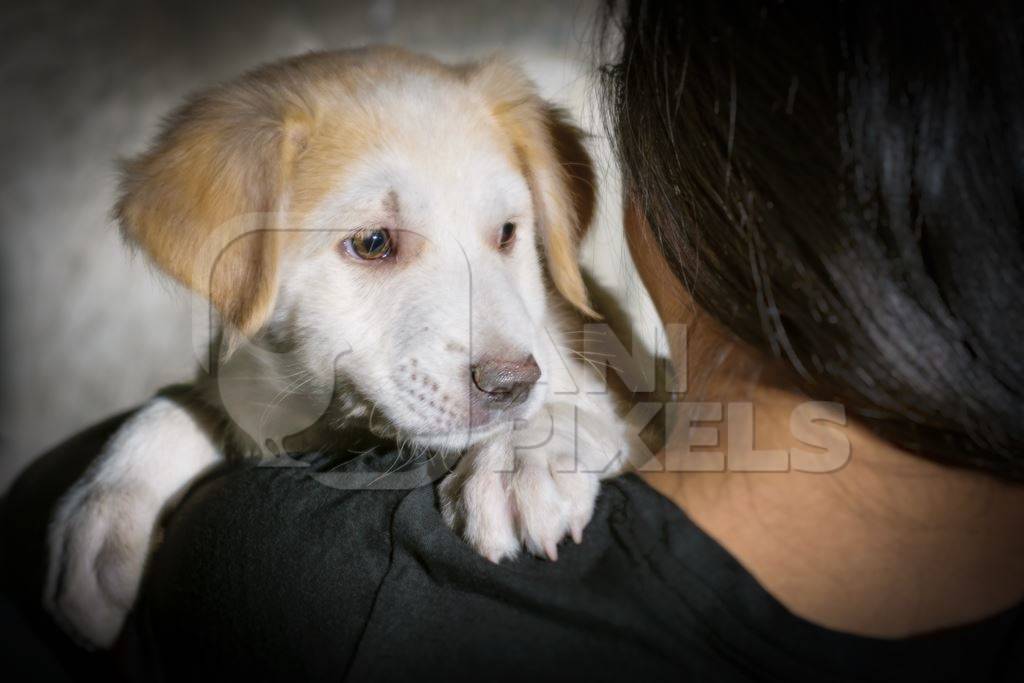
267	573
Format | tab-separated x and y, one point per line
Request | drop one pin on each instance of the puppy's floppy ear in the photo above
204	201
556	163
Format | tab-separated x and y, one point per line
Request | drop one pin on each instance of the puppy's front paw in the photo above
552	500
98	543
499	502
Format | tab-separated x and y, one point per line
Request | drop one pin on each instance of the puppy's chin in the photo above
455	440
483	425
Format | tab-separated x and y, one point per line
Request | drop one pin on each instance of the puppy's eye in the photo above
369	245
508	235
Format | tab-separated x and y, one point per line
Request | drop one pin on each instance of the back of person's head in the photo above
841	184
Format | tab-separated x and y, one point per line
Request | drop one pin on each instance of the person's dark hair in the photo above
841	184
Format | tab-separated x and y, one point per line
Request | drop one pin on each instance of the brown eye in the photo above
369	245
508	235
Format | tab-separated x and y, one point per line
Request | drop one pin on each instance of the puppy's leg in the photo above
538	483
102	531
561	456
475	499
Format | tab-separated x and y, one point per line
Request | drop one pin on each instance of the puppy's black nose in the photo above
506	383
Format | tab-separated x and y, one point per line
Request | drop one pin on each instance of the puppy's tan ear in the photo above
555	162
203	202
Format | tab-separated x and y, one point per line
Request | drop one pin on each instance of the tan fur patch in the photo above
555	162
205	202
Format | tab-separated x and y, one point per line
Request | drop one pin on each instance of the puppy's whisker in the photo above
596	333
593	363
291	390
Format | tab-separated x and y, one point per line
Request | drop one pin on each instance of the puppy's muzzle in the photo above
505	383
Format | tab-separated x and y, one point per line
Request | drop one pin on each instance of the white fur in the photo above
102	531
400	339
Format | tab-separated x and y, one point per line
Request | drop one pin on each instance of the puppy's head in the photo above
388	221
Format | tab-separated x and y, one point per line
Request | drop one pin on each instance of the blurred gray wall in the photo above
87	329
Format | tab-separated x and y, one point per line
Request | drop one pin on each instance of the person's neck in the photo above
887	545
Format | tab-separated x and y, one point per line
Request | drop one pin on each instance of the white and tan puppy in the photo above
387	242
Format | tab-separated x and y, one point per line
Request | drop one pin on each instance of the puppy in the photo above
389	246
